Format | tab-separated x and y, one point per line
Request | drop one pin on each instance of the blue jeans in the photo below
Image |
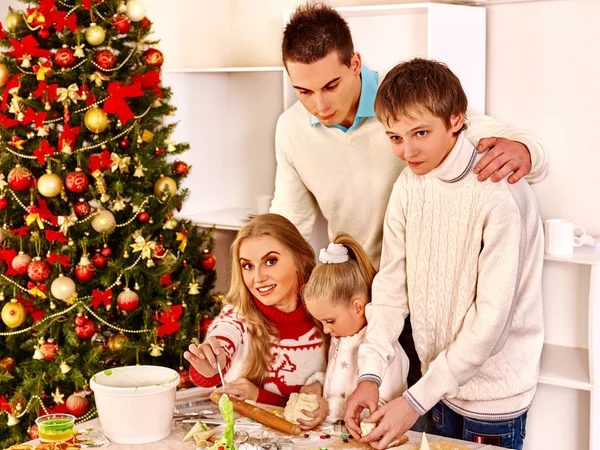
502	433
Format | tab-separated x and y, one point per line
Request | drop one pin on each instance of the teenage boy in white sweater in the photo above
465	259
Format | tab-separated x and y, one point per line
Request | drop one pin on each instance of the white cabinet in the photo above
566	409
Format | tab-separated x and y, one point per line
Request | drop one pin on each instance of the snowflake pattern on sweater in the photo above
295	355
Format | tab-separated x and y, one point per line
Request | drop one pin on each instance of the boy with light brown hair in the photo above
465	259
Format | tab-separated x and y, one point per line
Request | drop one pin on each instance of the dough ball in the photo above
366	428
297	403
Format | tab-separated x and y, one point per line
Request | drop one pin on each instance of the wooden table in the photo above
313	442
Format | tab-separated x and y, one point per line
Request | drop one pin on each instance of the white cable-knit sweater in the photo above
342	373
350	175
465	259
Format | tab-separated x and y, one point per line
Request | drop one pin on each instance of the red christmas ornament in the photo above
122	24
143	217
145	22
105	59
80	320
65	57
76	181
159	151
205	324
38	270
82	208
86	330
99	261
33	431
44	33
20	178
128	300
180	168
184	379
77	404
85	269
21	262
153	57
3	202
208	261
49	349
159	250
124	143
106	252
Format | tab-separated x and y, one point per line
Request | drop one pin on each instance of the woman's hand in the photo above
242	389
315	388
203	357
317	416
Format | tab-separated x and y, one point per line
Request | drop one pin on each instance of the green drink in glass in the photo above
55	427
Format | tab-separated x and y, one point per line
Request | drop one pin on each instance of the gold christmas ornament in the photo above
13	314
96	120
64	368
117	342
12	21
38	353
8	364
156	350
165	186
136	10
104	222
95	34
3	74
170	224
62	287
12	420
50	185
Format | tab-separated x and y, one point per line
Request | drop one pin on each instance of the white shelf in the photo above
226	69
565	367
581	255
224	219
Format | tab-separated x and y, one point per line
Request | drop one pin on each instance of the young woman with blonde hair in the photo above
264	339
338	294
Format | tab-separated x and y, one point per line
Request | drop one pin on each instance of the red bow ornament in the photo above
168	318
99	297
43	151
27	49
116	104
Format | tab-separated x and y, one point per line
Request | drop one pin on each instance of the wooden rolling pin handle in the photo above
398	441
260	415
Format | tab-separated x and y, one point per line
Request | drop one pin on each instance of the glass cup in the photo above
56	427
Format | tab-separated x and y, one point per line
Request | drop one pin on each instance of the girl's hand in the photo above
204	356
242	389
315	388
317	416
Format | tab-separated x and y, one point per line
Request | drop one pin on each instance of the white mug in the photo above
263	203
561	238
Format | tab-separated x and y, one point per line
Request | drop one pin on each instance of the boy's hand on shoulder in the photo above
365	396
242	389
317	416
503	157
393	420
315	388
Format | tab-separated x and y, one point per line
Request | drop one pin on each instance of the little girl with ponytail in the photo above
338	294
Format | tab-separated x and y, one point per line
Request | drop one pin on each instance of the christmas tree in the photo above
95	270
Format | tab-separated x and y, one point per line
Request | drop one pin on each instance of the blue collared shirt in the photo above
370	82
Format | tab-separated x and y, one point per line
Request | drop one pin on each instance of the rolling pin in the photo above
260	415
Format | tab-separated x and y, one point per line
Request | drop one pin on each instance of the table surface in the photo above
313	442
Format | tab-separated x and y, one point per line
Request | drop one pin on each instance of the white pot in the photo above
135	403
